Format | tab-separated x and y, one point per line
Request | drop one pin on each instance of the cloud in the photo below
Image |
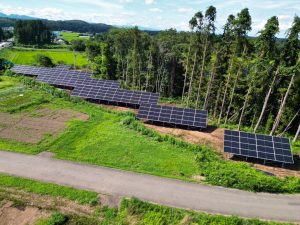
149	2
99	3
155	10
185	10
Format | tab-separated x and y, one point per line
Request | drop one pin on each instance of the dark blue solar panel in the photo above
258	146
173	115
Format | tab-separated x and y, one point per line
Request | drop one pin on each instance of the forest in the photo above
251	82
32	32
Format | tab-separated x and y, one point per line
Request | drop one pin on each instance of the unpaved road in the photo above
155	189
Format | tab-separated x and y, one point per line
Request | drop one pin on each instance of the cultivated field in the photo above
68	36
27	57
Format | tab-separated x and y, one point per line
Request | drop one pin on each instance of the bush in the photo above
44	60
57	219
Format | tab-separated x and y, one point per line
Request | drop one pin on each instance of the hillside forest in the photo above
251	82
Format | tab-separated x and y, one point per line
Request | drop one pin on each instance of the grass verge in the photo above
41	188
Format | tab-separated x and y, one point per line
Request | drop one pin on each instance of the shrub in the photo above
44	60
57	219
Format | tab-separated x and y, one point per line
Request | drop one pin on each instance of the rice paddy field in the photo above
69	36
27	56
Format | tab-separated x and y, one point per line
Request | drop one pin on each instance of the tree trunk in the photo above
232	94
217	101
202	71
225	92
172	78
297	134
234	86
278	117
186	71
246	98
210	82
126	74
290	123
266	100
192	77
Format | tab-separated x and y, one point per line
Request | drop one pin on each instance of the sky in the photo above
155	14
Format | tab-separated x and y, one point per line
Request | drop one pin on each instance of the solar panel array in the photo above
37	71
115	95
76	80
173	115
258	146
62	76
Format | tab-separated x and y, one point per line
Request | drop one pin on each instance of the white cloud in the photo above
185	10
149	2
155	10
99	3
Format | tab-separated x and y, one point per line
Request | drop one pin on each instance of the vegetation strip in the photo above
131	211
41	188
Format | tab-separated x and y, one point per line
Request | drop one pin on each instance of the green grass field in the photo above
68	36
103	140
27	57
118	140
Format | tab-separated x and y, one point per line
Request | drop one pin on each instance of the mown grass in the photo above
27	57
119	140
42	188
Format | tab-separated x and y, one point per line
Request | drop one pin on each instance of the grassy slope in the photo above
118	140
27	57
101	141
132	211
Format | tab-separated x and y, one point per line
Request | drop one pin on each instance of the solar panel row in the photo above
75	80
173	115
37	71
258	146
62	76
115	95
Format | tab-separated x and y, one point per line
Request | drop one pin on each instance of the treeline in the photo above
252	82
70	25
32	32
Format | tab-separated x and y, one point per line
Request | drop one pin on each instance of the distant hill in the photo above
70	25
15	16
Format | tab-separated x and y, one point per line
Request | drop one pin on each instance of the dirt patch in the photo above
20	207
46	154
11	215
213	137
31	128
47	202
120	108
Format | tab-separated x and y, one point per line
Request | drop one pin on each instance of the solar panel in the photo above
258	146
173	115
62	76
75	80
37	71
115	95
